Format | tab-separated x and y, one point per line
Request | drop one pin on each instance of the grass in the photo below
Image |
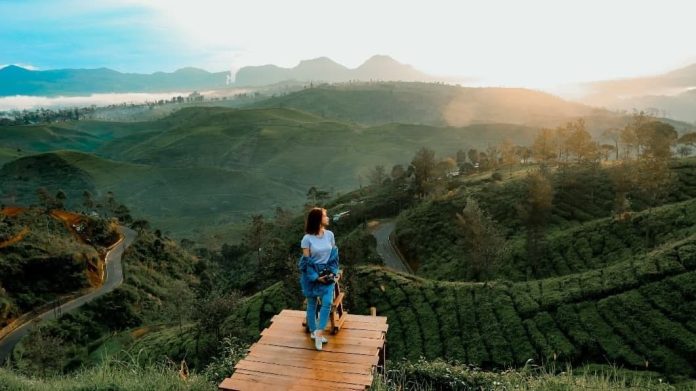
111	374
439	375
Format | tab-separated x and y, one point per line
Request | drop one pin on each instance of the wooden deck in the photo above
285	359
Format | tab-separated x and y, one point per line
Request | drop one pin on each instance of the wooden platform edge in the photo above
290	362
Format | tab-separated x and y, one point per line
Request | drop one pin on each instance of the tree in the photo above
444	166
493	154
684	150
544	148
140	225
579	143
473	156
607	149
87	200
180	301
688	139
482	241
211	311
377	175
398	172
255	233
283	217
524	152
111	203
613	134
461	157
317	196
122	213
629	135
623	177
655	180
535	212
655	139
423	164
60	199
43	353
508	153
45	198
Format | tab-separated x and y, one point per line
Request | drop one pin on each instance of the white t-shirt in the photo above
319	246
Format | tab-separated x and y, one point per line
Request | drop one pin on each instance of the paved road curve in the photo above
386	250
114	278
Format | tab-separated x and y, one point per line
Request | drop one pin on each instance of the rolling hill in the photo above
219	164
15	80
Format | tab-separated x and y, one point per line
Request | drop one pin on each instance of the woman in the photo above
318	271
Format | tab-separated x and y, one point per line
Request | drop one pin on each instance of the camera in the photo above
329	277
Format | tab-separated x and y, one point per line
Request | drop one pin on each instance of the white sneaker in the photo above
323	339
317	343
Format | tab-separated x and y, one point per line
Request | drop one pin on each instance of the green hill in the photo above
630	312
219	164
429	103
176	199
428	236
35	248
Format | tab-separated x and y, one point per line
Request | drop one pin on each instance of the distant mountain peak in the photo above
14	68
381	59
320	60
377	67
191	70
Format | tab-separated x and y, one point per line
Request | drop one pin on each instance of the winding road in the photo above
114	278
385	247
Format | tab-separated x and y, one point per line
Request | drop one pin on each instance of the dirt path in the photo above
114	278
383	232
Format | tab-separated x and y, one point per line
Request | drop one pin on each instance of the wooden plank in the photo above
358	318
248	380
291	328
318	373
333	346
362	359
285	358
347	325
290	382
345	338
292	361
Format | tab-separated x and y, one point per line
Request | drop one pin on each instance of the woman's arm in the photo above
305	252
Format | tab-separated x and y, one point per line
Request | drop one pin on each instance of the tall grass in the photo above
111	374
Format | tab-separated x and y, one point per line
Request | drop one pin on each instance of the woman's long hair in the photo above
313	221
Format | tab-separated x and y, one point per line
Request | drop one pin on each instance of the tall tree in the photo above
613	134
423	164
398	172
579	143
535	212
377	175
655	139
544	148
473	155
87	200
482	241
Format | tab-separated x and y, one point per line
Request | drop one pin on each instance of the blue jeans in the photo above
326	302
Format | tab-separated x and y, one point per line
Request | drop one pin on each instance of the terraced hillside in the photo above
583	200
638	313
612	292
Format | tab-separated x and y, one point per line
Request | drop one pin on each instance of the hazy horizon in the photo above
538	44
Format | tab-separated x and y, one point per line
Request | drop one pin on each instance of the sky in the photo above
539	44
